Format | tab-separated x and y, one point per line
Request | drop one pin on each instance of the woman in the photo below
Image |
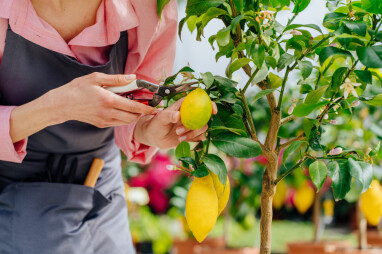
56	56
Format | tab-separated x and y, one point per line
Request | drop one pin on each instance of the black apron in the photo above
37	216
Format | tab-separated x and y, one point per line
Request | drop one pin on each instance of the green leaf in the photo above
318	173
341	178
237	64
226	120
375	101
370	56
355	192
300	5
188	161
362	172
186	69
261	94
375	149
191	23
332	51
180	27
373	6
291	149
225	81
364	76
338	78
306	68
285	2
285	59
160	5
237	146
236	131
358	27
215	164
258	55
223	37
202	171
307	125
198	7
314	96
313	26
332	20
303	109
239	5
275	80
208	79
183	150
212	12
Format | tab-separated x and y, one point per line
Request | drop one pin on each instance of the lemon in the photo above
304	198
371	203
201	207
222	192
196	109
280	195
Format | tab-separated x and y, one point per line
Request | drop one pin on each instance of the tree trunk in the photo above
317	218
362	228
267	194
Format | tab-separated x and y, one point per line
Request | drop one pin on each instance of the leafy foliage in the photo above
335	69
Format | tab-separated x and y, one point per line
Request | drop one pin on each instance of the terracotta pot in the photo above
187	246
357	251
317	248
374	238
209	250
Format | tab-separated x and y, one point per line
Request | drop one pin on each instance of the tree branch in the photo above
287	119
288	143
249	119
290	170
289	69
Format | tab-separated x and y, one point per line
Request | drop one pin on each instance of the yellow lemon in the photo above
280	195
196	109
304	198
222	192
371	203
201	207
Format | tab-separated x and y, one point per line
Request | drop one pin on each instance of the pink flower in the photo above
295	32
290	110
336	151
334	122
355	104
159	175
158	201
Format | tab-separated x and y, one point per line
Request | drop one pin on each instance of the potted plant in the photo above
269	52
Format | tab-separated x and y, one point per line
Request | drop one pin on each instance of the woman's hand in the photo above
84	99
165	130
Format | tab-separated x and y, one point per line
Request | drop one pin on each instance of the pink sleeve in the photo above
151	53
9	151
13	152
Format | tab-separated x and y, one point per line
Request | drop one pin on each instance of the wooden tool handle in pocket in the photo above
94	172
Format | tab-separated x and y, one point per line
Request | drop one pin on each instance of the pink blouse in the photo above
151	52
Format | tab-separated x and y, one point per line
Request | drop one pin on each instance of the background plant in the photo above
334	69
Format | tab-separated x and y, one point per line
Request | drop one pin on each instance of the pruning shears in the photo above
159	91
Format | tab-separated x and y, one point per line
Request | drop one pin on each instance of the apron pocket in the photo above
47	218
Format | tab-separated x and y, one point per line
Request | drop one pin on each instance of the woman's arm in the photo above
10	151
151	53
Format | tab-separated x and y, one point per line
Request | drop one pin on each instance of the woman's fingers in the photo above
123	116
214	108
112	80
119	102
190	135
201	137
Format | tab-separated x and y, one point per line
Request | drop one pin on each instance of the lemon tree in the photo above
336	64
